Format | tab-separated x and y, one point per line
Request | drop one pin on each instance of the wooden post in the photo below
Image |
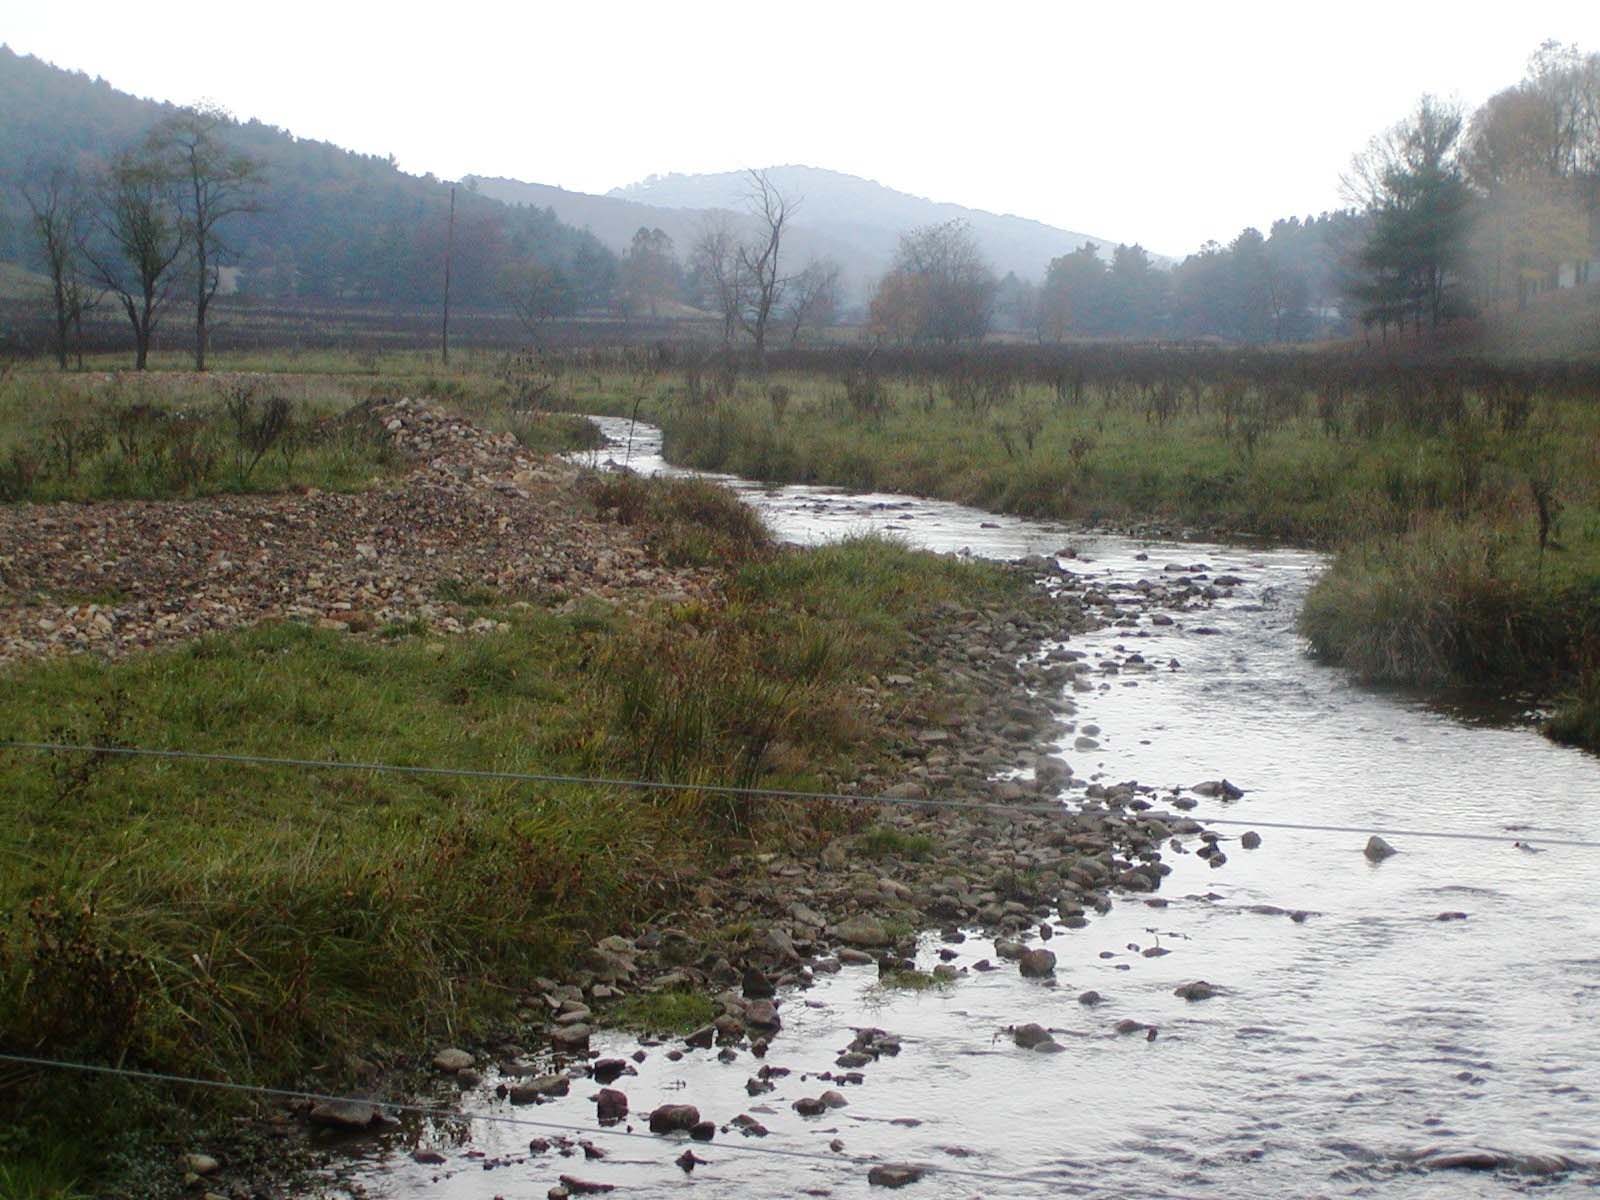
449	251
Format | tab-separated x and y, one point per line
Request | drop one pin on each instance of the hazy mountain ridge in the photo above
860	209
855	221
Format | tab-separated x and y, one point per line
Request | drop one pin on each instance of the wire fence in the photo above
1050	808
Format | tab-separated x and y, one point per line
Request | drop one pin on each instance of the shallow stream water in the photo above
1341	1047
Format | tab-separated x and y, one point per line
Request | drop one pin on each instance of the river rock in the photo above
1090	998
1037	964
201	1164
1030	1035
452	1060
756	985
1250	840
608	1069
672	1118
689	1160
585	1187
1377	849
344	1114
610	1105
570	1037
894	1175
861	932
1198	990
763	1015
543	1088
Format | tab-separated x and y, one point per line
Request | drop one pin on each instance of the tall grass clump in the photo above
688	522
1450	602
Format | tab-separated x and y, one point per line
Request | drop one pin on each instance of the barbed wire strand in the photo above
1051	808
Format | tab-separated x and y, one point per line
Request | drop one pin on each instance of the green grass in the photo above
1576	721
882	842
1285	462
911	981
670	1012
40	1181
78	437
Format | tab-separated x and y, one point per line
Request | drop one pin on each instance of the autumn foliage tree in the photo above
938	288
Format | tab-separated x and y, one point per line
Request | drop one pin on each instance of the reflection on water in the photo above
1341	1047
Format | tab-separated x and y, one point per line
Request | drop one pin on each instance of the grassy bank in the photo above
155	436
1319	451
281	925
1456	602
1464	504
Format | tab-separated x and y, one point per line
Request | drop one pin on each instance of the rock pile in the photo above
473	507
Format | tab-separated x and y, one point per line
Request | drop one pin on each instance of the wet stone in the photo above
611	1105
451	1060
673	1118
894	1175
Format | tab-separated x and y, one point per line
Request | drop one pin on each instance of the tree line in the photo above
1469	212
154	219
1449	215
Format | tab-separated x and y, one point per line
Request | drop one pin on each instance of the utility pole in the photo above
449	251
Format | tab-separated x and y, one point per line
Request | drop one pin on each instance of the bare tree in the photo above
715	260
760	260
536	293
217	182
144	238
812	299
58	213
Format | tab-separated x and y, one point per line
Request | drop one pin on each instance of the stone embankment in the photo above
473	508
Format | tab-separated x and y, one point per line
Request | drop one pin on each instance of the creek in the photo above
1343	1048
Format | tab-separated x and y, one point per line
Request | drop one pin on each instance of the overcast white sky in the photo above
1165	123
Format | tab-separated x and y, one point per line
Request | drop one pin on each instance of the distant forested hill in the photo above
335	225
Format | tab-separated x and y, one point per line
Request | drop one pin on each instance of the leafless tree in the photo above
812	298
715	260
217	182
143	239
536	292
59	213
760	259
